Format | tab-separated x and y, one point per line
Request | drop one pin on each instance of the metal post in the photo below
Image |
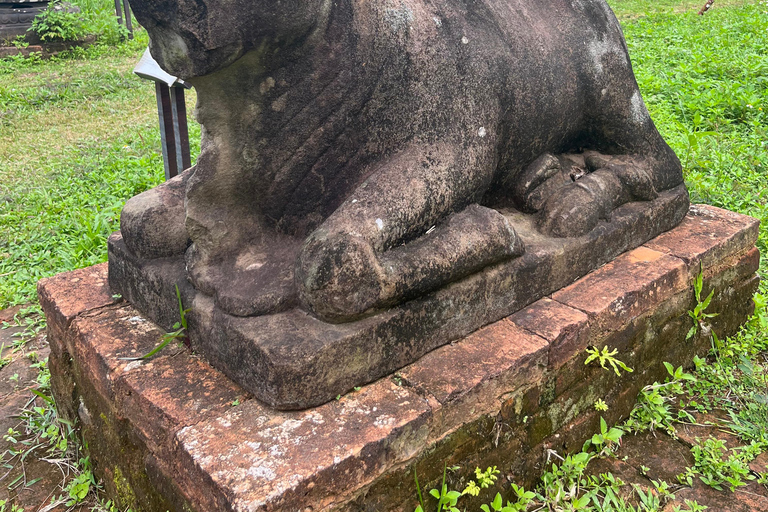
167	133
118	12
128	22
171	112
180	125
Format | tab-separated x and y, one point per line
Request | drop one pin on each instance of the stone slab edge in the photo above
275	356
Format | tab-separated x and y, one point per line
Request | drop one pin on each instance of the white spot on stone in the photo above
266	85
262	472
464	40
136	320
481	132
354	201
437	21
132	366
398	18
380	224
604	92
279	104
637	109
599	48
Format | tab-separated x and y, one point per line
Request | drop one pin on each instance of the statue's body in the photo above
358	153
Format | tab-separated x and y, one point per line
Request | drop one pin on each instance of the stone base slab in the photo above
292	360
173	433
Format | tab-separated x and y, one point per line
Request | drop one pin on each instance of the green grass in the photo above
705	81
625	9
78	137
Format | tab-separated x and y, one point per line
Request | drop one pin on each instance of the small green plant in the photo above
692	506
698	313
605	440
79	487
605	357
20	42
484	480
14	507
715	470
654	405
29	322
446	500
42	431
57	23
600	405
4	360
179	334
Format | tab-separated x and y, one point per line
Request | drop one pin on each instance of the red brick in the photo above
619	291
470	377
65	296
565	328
97	342
170	392
708	235
267	460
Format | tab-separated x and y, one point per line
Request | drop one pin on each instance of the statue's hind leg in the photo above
630	161
412	227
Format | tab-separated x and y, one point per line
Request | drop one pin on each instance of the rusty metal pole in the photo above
171	113
179	107
128	22
118	12
167	132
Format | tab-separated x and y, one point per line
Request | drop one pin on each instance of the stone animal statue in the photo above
359	153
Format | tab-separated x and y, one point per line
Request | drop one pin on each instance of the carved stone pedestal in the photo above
173	433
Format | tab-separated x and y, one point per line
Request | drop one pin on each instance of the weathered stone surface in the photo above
158	214
635	281
501	396
275	356
494	360
377	167
707	236
98	341
565	328
167	393
70	301
267	461
149	285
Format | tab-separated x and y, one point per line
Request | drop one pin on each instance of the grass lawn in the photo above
79	136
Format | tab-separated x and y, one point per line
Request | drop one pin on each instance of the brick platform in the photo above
175	434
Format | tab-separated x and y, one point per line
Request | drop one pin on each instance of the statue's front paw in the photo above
338	277
152	222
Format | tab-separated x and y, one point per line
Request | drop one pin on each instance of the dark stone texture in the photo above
377	180
276	356
150	285
152	223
